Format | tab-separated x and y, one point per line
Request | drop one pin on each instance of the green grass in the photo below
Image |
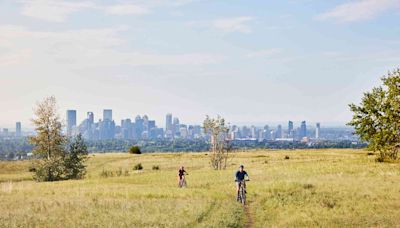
324	188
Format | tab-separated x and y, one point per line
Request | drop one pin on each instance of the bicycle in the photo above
241	197
182	182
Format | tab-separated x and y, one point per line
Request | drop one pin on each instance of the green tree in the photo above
377	119
75	160
48	142
135	150
220	148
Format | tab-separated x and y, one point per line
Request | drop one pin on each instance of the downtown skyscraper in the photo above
71	121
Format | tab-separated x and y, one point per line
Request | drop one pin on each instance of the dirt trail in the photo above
249	216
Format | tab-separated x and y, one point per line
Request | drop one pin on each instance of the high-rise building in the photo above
71	121
267	133
18	129
279	132
290	129
138	127
303	130
175	127
318	131
107	114
90	117
168	122
126	129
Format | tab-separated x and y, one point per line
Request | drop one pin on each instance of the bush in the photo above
32	169
287	157
370	153
156	167
138	166
106	173
119	172
135	150
50	170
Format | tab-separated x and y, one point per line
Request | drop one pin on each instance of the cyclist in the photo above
239	178
181	174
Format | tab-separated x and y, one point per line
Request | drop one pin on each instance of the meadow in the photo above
298	188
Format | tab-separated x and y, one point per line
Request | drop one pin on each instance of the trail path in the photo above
249	216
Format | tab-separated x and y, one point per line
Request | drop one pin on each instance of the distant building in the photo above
18	129
303	130
175	127
168	122
318	131
279	132
267	133
90	117
290	129
126	129
5	132
71	121
107	114
138	126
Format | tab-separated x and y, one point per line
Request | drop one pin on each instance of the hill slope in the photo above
312	188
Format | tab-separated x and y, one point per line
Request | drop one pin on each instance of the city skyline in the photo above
268	60
79	116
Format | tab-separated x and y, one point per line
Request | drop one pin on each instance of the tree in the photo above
75	160
377	119
49	141
219	144
135	150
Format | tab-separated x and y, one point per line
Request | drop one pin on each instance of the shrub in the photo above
370	153
138	166
308	186
106	173
32	169
287	157
119	172
156	167
134	150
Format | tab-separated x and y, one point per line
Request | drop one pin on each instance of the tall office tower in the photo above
126	129
279	132
253	132
168	122
175	126
107	114
290	129
138	127
267	133
145	123
303	130
245	132
18	129
90	117
106	129
71	121
151	124
318	131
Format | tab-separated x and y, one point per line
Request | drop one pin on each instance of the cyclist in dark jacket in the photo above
240	177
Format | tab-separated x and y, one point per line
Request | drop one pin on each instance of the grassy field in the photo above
317	188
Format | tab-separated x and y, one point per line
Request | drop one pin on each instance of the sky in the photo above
250	61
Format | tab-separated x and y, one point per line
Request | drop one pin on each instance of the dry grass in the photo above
325	188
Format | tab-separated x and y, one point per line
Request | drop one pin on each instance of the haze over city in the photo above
259	62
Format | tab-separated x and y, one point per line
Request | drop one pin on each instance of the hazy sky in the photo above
248	60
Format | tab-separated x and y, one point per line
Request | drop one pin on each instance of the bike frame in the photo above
242	192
